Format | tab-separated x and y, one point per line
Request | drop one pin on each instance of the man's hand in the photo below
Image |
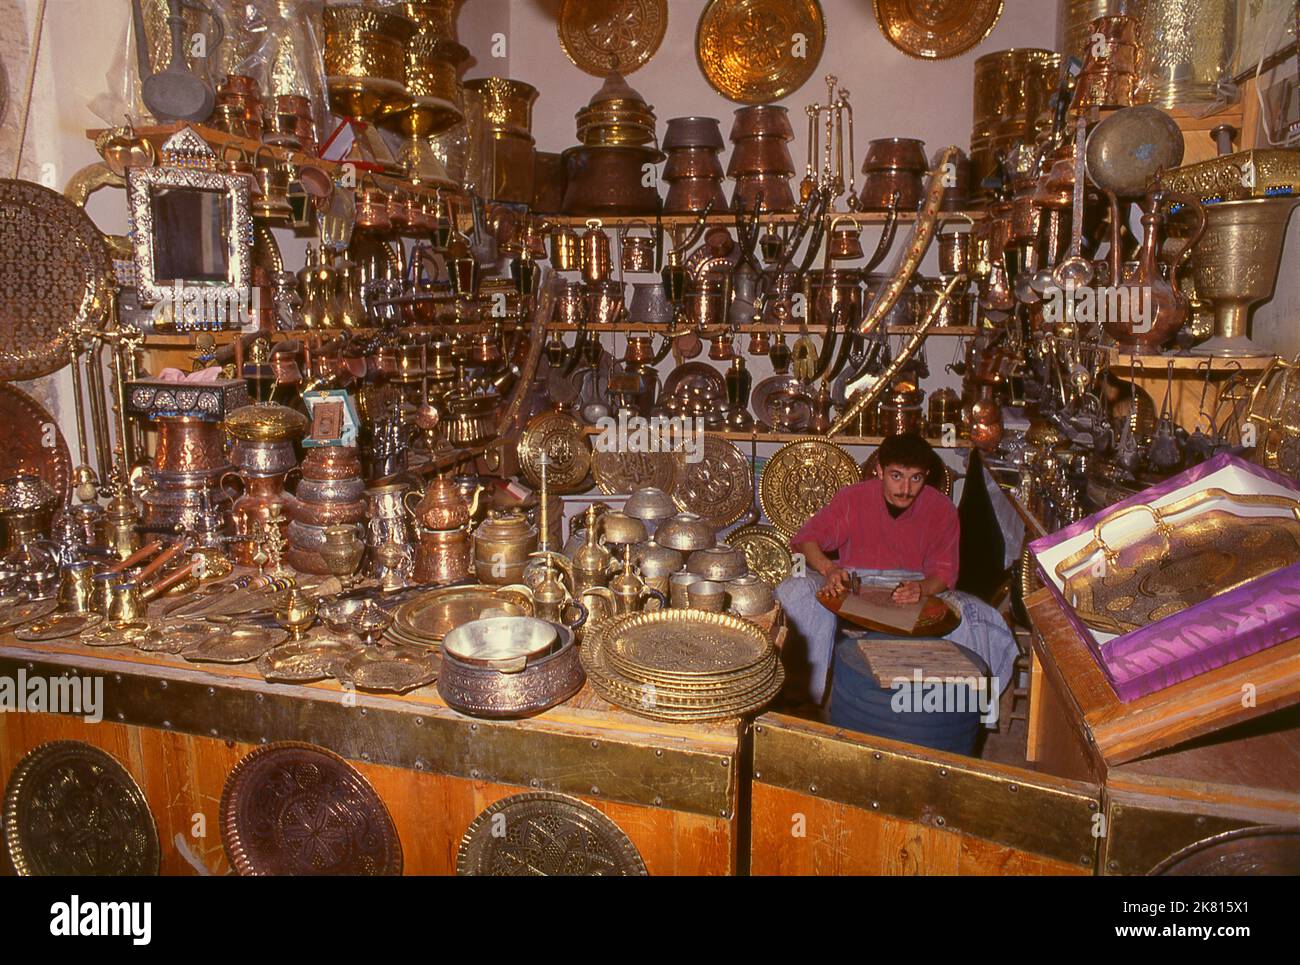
837	580
904	593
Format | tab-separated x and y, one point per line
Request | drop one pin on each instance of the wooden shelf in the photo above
794	330
728	220
781	437
1157	365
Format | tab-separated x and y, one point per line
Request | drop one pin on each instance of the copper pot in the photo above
566	252
548	182
954	252
372	210
442	507
693	195
609	181
692	162
443	556
189	445
264	502
331	462
760	155
693	132
879	188
828	289
903	153
327	513
636	252
502	544
957	185
778	197
762	119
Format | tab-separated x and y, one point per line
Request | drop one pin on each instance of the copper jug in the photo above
845	243
595	253
636	252
566	254
441	506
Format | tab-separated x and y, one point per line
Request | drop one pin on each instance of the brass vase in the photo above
1236	264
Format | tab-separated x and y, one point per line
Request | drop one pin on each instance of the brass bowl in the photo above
685	533
718	563
750	596
650	504
622	529
502	643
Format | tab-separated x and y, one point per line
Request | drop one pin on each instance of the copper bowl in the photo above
486	692
609	181
879	187
692	162
778	196
692	196
327	514
758	156
762	119
331	462
906	153
693	132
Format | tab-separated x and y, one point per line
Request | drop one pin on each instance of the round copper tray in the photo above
55	273
561	439
297	809
936	31
745	47
695	373
33	442
542	834
600	36
768	388
719	488
801	478
71	809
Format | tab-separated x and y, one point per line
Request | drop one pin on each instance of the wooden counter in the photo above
180	728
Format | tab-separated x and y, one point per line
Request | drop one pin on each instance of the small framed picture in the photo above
334	419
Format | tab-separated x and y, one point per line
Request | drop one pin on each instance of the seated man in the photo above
893	522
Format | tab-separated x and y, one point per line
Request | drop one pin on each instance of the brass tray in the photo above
432	615
801	478
936	31
694	373
28	429
297	809
546	834
116	634
797	389
601	36
55	274
619	473
393	670
71	809
720	487
746	50
687	642
561	439
766	551
17	613
1177	562
305	661
56	626
235	645
173	636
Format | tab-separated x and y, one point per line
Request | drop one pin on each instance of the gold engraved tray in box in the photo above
430	617
1183	558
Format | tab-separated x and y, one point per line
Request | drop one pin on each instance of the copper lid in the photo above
266	423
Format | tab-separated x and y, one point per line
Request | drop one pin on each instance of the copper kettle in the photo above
442	505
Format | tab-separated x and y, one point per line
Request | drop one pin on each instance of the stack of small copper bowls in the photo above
693	171
605	175
507	143
291	124
760	160
238	109
331	492
893	166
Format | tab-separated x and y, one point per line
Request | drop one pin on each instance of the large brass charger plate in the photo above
625	472
71	809
936	29
54	273
719	487
746	48
559	439
431	616
766	551
801	478
601	36
298	809
33	442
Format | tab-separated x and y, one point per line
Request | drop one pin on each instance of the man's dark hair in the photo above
908	450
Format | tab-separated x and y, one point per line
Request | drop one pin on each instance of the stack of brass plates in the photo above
424	621
683	665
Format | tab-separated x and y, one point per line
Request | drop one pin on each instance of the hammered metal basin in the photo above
504	643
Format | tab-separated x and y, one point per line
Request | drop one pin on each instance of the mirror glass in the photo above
192	230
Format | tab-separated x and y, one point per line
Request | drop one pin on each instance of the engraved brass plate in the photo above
71	809
236	645
719	488
173	636
801	478
560	440
297	809
542	834
24	611
57	626
433	615
766	551
625	472
390	670
601	36
936	31
304	661
756	51
1177	562
685	642
55	274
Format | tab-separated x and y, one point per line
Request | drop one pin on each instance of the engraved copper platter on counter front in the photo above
297	809
1266	850
559	438
1179	560
543	834
27	428
766	551
937	29
719	487
71	809
801	478
746	48
618	472
601	36
55	274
